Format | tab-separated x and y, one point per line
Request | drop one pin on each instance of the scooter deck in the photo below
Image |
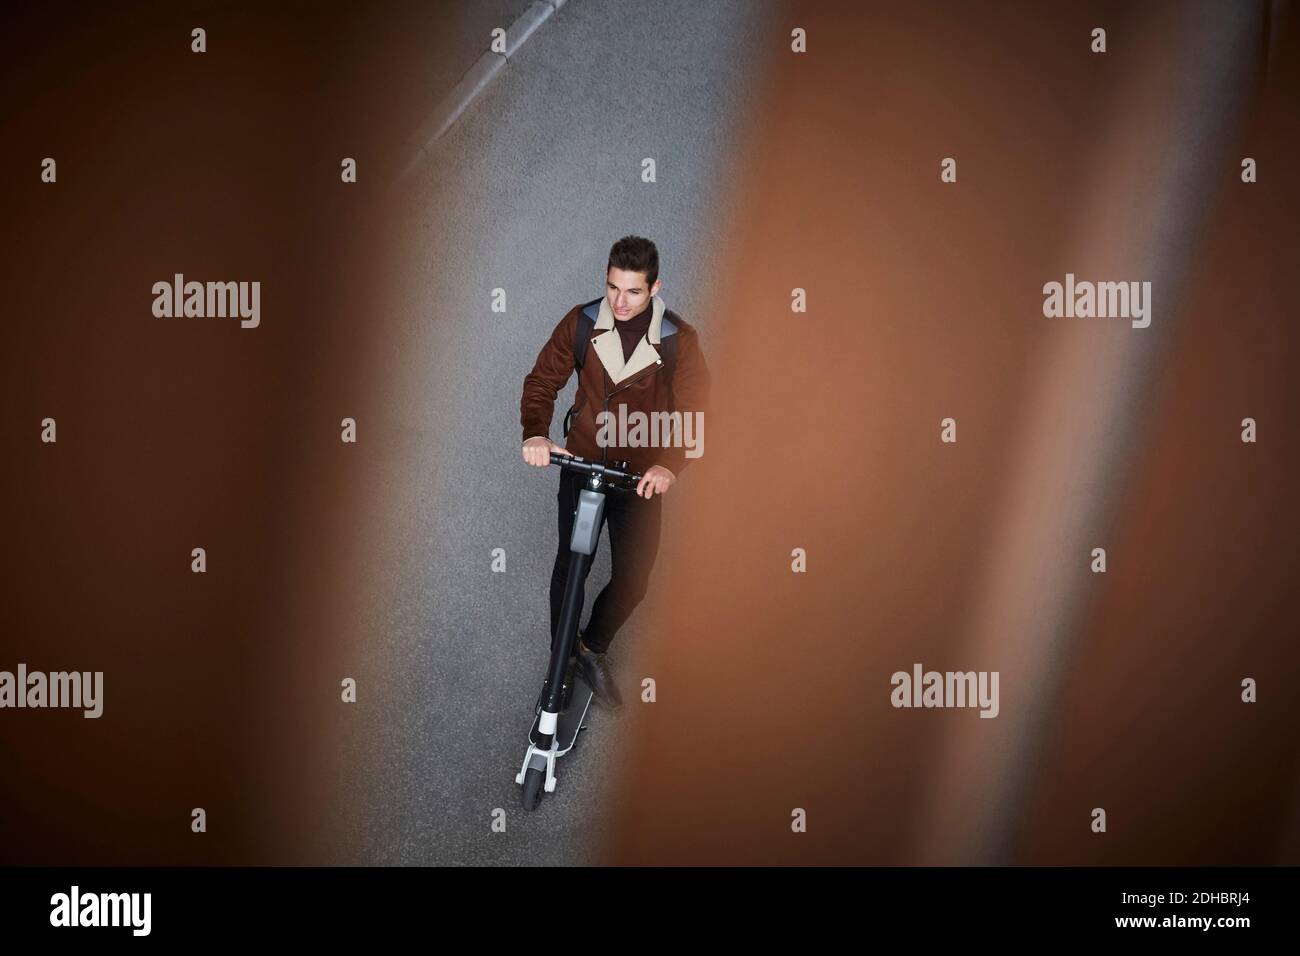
571	719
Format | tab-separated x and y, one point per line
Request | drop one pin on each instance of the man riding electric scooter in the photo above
638	362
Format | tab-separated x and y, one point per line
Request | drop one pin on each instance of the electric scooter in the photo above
562	705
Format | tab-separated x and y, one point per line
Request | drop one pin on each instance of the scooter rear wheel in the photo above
533	780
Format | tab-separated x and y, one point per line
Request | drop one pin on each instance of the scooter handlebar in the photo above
610	473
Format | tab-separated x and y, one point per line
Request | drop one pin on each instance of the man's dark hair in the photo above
634	254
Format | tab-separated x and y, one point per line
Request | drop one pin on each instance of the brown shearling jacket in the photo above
606	382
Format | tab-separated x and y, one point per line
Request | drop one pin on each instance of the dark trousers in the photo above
633	524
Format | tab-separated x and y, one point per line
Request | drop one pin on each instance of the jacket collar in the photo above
609	346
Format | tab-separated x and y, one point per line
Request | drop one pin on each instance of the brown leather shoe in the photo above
598	676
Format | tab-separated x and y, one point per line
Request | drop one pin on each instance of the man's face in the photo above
627	292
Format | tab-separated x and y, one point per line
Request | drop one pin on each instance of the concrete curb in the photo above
475	80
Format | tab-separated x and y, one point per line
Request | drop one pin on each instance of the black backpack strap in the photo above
582	332
668	346
581	337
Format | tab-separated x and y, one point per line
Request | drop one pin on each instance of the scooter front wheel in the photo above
533	781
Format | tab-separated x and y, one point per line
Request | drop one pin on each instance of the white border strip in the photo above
475	81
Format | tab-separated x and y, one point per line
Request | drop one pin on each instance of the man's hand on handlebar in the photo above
657	478
537	451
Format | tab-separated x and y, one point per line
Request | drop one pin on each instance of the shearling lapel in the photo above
610	348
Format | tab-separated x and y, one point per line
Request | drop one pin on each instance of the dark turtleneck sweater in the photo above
632	329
